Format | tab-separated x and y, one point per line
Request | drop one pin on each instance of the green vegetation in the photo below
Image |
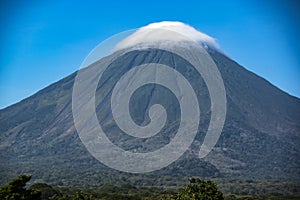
197	189
15	190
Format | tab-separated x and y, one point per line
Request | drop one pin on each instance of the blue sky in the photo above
44	41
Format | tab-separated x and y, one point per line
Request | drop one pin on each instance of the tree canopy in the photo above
199	190
15	190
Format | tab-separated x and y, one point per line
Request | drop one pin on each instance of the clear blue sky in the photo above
44	41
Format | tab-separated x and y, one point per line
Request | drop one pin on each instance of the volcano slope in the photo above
260	139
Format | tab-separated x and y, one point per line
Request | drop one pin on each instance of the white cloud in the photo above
167	31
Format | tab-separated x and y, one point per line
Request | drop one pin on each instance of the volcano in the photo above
260	138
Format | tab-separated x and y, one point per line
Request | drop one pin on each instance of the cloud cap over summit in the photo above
162	31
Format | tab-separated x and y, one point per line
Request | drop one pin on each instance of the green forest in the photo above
20	188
